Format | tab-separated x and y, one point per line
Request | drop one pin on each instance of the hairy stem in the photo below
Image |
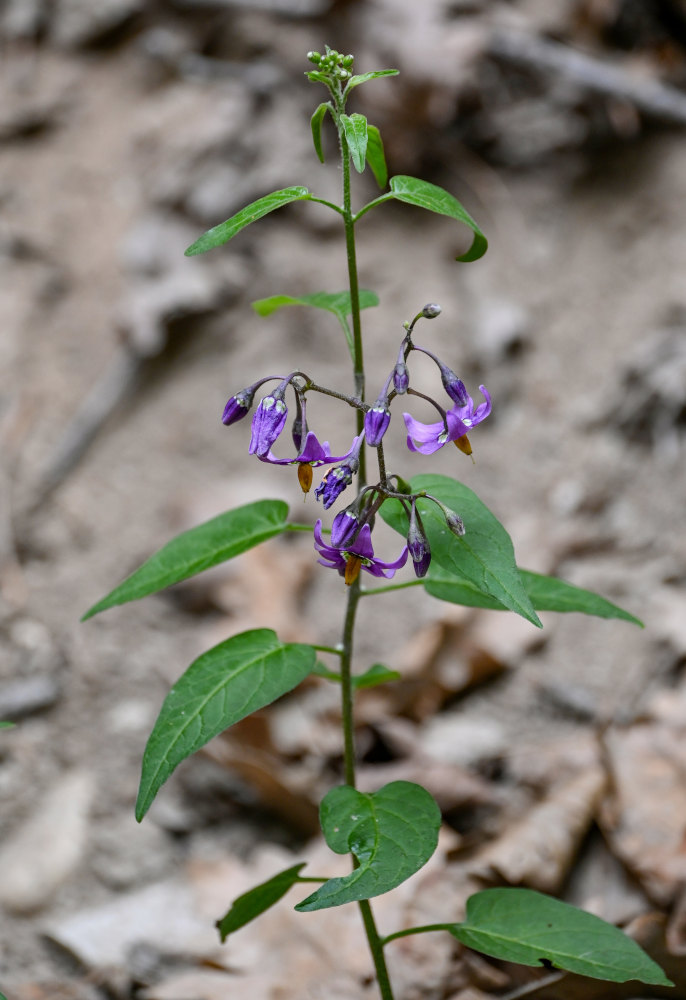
351	255
375	945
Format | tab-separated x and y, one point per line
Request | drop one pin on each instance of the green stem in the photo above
329	649
323	201
372	204
351	256
427	928
376	948
375	945
390	588
346	684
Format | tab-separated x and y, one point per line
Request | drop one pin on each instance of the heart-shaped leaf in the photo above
225	231
392	833
258	899
199	549
436	199
520	925
484	555
221	687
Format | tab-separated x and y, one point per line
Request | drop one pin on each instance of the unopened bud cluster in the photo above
332	63
349	548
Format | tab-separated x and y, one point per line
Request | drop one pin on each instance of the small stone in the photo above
28	695
79	23
43	851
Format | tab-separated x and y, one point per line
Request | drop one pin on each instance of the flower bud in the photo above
344	527
454	386
401	378
336	480
418	544
454	522
314	57
268	423
237	407
376	421
431	310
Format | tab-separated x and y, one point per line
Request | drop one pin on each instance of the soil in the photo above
583	281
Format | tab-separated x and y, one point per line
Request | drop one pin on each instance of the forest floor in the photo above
557	756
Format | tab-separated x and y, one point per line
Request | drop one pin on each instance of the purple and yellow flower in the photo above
359	555
312	455
428	438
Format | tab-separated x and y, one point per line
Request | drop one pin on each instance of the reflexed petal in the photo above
387	569
421	437
483	409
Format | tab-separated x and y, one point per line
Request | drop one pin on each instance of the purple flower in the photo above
344	527
268	422
428	438
376	421
312	455
454	386
360	555
418	543
237	407
336	479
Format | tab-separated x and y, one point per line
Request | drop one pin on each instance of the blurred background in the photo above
128	127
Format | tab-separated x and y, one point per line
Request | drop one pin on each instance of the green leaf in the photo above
198	549
317	77
377	674
355	128
484	556
316	125
547	593
221	687
355	81
520	925
376	158
392	833
6	725
258	899
337	303
225	231
436	199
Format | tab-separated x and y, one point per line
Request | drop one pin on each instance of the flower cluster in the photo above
350	548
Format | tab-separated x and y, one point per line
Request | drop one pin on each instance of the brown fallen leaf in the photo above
644	819
538	850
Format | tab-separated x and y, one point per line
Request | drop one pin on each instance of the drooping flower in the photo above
336	479
268	422
428	438
417	543
454	385
376	421
359	555
312	455
344	527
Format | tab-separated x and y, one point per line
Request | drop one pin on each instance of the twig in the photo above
107	393
655	99
530	989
